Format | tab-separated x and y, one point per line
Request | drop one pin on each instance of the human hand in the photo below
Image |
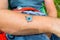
55	28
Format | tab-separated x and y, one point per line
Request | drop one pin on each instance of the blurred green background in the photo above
57	3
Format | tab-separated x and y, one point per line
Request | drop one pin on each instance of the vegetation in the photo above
57	3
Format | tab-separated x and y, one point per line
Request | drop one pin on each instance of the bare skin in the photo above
4	4
15	23
10	20
51	10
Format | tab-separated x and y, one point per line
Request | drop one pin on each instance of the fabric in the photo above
3	36
34	13
26	3
54	37
28	37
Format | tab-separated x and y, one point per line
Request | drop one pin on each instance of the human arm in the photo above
51	10
50	7
11	22
16	24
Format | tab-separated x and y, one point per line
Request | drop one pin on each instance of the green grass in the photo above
57	3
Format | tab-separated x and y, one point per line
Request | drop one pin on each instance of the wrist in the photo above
44	29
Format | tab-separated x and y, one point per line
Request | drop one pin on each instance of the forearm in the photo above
16	23
50	7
